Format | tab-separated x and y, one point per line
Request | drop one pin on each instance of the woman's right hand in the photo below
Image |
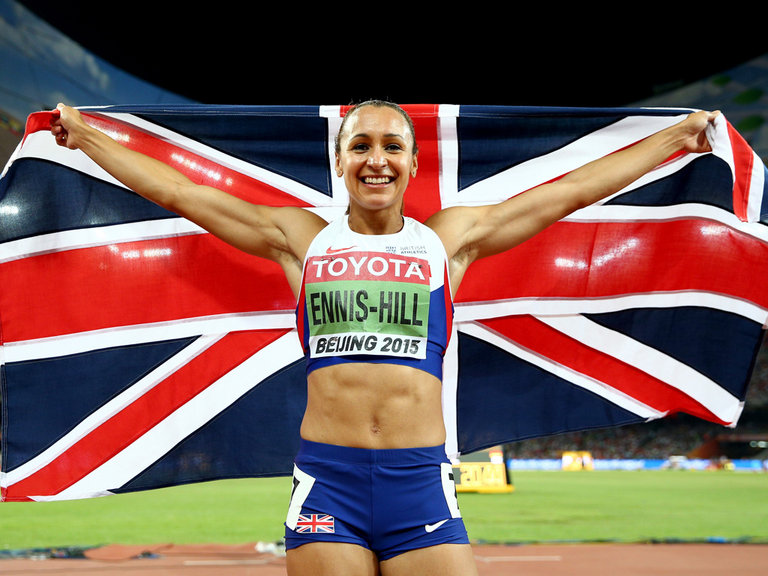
66	125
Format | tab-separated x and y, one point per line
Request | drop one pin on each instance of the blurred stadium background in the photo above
40	66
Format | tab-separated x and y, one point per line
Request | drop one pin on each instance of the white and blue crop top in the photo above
370	298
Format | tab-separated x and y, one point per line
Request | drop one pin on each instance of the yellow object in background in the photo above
577	461
484	471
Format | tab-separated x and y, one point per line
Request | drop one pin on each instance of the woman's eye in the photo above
363	147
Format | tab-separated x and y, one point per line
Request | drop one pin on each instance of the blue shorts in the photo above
389	501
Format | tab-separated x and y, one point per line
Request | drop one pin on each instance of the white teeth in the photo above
379	180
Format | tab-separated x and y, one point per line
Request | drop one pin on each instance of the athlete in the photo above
372	488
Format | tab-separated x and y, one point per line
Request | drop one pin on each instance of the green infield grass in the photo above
544	507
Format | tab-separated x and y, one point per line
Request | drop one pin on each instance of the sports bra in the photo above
375	298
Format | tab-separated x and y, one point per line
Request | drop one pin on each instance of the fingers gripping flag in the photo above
139	352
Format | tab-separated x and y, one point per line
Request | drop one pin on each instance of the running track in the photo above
525	560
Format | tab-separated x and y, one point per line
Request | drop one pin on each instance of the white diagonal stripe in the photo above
651	361
190	417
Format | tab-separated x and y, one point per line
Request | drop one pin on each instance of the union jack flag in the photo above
139	352
315	523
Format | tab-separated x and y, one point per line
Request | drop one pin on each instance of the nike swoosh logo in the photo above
432	527
334	250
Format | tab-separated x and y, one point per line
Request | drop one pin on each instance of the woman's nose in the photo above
376	160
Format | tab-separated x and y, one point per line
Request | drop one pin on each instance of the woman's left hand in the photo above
696	128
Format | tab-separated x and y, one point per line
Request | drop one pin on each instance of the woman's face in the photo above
376	158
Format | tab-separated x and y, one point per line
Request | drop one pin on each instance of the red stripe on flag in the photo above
125	427
422	199
593	260
743	158
136	283
562	349
39	121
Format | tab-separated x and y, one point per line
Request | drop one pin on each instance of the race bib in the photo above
367	303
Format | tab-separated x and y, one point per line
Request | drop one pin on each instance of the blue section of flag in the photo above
490	147
706	181
47	398
501	396
31	207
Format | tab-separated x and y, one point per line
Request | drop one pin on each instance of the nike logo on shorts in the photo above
432	527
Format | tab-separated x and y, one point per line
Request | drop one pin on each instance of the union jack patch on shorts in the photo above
315	523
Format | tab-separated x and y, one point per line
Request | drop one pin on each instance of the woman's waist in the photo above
373	406
374	384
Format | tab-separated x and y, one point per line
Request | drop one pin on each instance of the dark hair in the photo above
376	104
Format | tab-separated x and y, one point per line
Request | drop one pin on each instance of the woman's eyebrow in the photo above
366	135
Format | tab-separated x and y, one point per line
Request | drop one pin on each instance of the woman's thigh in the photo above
441	560
331	559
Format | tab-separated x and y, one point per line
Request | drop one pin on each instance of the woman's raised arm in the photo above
470	233
281	234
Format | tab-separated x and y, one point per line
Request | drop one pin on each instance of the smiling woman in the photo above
380	156
373	490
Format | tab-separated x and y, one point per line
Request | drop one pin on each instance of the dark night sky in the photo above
242	53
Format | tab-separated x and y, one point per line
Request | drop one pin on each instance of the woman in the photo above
372	467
